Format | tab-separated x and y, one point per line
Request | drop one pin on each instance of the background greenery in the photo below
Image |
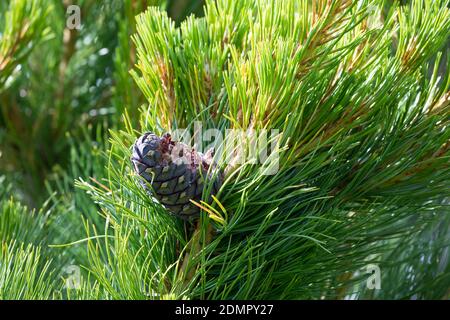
359	90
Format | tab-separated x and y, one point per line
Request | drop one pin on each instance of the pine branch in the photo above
354	125
363	157
23	29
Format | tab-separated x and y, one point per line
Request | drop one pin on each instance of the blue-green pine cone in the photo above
175	172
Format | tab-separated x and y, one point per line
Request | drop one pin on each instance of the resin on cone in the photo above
175	173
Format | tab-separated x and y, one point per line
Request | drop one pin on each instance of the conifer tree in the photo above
358	93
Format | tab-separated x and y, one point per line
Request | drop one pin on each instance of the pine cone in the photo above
176	172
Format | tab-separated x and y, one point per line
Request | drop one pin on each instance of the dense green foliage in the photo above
359	92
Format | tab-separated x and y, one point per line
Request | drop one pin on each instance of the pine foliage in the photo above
359	92
363	152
